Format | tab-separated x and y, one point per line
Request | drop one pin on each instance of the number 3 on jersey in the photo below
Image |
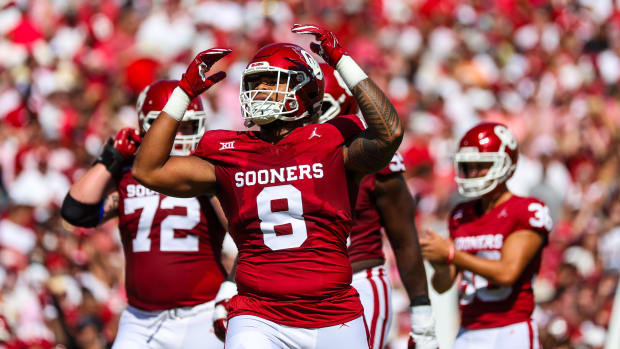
167	241
293	215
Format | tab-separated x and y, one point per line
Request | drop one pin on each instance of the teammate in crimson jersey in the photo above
384	202
496	241
171	245
287	189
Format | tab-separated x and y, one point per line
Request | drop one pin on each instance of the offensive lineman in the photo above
171	245
496	242
287	189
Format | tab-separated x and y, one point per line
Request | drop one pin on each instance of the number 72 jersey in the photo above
484	305
289	207
172	247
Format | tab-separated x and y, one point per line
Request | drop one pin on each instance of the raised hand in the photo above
195	80
118	151
127	141
328	48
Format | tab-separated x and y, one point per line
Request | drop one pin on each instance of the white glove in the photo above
220	314
422	328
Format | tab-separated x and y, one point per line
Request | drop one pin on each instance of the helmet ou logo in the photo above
316	69
506	137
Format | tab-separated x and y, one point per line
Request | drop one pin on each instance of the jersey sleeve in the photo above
204	147
396	165
534	215
348	126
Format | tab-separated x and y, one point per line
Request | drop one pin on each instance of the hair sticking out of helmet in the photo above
152	100
337	100
281	82
492	149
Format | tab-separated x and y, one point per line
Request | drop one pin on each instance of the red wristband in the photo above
450	254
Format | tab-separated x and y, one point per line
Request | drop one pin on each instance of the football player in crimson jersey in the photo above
172	246
287	189
495	243
384	202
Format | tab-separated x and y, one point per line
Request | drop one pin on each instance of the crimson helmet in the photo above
491	143
337	100
291	65
151	102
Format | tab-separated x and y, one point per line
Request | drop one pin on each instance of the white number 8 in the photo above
293	216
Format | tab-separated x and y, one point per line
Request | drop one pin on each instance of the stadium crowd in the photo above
71	70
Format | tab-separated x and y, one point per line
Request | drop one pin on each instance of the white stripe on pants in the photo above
373	285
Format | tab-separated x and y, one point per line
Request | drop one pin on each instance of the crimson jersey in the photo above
365	240
484	305
289	210
172	247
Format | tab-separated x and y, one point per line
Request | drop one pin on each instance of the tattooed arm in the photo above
373	149
110	207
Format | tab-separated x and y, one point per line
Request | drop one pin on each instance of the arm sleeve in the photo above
81	214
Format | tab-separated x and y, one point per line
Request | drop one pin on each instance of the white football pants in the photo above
375	291
179	328
522	335
252	332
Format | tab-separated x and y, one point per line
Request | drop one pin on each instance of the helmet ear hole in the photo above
312	94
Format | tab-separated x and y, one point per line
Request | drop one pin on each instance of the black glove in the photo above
111	158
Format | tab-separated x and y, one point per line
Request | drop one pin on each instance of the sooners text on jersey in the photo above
484	305
289	210
172	247
365	240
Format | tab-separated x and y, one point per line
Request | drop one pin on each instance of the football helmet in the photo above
151	102
490	143
337	100
286	64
